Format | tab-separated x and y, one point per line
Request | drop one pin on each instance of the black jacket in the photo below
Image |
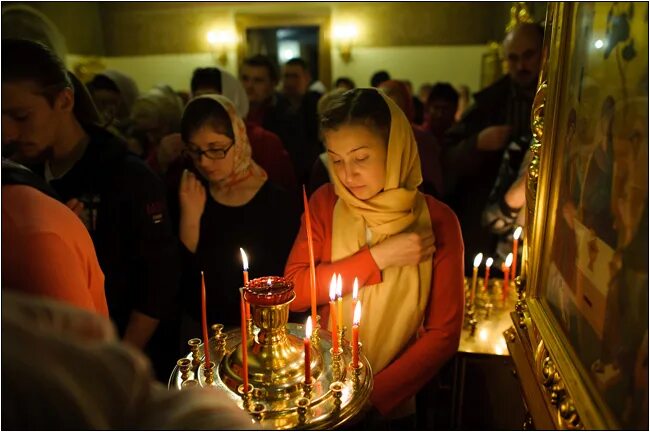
126	215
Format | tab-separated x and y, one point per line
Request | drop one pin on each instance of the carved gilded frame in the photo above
567	389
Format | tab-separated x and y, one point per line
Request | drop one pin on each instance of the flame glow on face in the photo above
477	260
244	258
509	260
333	288
357	314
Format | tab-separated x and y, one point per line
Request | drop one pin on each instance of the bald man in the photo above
473	149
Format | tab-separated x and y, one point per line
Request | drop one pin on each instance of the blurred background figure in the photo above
344	83
378	78
24	22
464	101
114	94
441	107
155	113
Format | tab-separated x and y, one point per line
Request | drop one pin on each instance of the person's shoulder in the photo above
497	90
118	164
257	134
39	213
440	212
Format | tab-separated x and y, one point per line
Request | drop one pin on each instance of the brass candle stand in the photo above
484	303
277	396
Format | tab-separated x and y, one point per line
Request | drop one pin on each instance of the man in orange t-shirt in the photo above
46	249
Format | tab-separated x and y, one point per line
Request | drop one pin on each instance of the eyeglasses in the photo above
212	154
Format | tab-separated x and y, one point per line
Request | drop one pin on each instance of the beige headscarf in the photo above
244	165
392	310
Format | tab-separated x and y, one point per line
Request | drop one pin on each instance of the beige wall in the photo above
170	28
80	23
457	65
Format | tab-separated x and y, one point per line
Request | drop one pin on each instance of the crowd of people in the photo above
114	200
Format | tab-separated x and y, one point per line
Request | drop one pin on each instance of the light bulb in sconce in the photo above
344	36
220	42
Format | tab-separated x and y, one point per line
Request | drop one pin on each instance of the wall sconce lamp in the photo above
220	42
344	36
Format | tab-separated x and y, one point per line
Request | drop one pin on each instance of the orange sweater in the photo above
438	338
47	251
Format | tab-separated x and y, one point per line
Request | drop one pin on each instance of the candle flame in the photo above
269	282
509	260
488	262
517	233
357	314
339	286
244	259
333	288
355	289
308	328
477	260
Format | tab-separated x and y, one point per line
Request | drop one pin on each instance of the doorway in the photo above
284	43
282	37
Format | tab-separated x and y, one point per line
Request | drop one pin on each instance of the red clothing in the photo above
270	154
439	337
47	251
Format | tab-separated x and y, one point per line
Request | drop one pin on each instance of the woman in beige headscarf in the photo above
403	246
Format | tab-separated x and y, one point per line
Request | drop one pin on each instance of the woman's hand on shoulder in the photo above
192	196
403	249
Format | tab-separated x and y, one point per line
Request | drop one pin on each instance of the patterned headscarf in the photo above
244	166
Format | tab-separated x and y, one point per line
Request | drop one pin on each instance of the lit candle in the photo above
204	321
355	335
308	351
312	266
506	273
339	301
244	342
515	246
488	264
477	262
355	294
335	339
244	260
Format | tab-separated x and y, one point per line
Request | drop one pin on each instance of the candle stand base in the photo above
277	397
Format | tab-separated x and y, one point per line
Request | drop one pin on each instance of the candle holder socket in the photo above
337	391
341	335
258	409
184	365
356	374
336	363
194	344
189	384
488	309
247	395
208	372
307	388
303	407
219	338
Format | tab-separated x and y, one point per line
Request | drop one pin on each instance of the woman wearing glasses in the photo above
226	203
